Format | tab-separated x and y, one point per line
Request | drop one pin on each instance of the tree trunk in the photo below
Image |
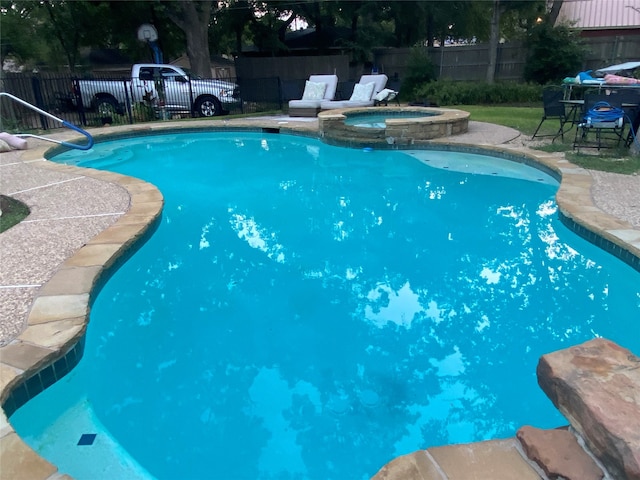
193	17
554	12
430	29
198	50
494	39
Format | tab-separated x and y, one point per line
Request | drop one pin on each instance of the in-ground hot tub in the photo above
391	125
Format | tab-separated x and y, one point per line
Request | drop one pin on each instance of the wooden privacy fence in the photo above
466	62
453	62
458	62
469	62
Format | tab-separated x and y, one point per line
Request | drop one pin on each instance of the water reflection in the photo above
312	311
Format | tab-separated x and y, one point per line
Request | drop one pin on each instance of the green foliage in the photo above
420	70
143	112
9	123
446	92
554	53
519	17
21	23
53	32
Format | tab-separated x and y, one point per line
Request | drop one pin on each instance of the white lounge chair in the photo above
363	95
316	90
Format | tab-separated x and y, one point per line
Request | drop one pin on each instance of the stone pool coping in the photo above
58	316
402	131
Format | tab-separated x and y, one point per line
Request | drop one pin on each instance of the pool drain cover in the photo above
87	439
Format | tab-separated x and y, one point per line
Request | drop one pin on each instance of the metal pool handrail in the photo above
87	146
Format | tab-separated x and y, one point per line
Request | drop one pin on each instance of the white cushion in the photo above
379	80
314	91
330	80
329	105
362	92
386	94
304	103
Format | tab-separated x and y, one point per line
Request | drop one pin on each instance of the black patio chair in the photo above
604	118
554	109
630	103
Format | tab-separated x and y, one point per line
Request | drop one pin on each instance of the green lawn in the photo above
526	120
13	211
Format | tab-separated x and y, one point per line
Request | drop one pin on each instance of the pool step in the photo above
533	455
492	459
560	453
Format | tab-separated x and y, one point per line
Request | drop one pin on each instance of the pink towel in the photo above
618	80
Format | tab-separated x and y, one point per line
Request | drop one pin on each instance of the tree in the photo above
17	35
494	38
53	32
193	18
268	26
57	29
125	18
554	12
554	53
370	25
519	16
232	21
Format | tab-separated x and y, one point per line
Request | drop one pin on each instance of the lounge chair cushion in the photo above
314	90
379	81
310	108
386	94
362	92
304	103
325	105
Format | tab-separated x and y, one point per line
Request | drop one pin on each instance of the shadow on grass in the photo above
614	160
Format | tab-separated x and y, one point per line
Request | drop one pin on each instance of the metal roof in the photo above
601	14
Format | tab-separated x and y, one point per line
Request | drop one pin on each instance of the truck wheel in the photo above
106	106
208	107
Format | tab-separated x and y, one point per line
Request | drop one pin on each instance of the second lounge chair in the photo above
363	95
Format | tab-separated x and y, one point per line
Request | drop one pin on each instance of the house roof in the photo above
601	14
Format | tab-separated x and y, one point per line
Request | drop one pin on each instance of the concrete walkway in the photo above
82	220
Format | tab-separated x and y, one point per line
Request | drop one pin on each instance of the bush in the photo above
448	92
553	54
420	70
143	112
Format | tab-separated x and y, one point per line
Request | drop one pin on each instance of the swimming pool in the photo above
312	311
379	119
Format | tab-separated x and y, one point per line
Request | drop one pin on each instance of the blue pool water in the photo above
310	312
379	120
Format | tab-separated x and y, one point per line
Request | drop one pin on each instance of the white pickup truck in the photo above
166	88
